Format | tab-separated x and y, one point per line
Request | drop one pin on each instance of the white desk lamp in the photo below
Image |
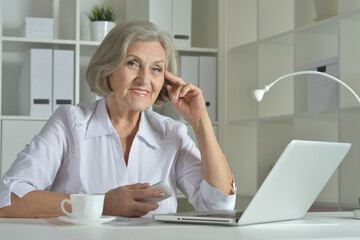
258	94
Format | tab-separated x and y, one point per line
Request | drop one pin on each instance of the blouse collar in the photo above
100	125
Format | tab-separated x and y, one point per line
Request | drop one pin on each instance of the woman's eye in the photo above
157	69
132	63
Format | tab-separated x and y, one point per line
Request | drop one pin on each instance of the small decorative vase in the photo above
99	29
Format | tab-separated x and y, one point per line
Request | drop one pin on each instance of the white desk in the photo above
339	225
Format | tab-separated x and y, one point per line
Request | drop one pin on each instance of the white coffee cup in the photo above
85	206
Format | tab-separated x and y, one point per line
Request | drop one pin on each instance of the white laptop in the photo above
289	190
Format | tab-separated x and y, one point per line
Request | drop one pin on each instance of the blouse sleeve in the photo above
36	166
190	182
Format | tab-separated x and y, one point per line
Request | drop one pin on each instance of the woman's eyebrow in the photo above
159	61
139	59
134	56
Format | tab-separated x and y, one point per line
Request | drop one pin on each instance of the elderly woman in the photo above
118	147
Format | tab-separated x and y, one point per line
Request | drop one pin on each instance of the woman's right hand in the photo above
125	201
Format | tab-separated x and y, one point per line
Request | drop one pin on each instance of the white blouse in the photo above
79	151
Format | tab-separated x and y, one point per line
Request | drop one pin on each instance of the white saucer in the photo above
83	221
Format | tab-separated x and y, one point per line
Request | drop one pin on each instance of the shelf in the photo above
269	49
89	43
17	44
27	40
24	118
350	109
197	50
326	27
348	8
352	16
243	121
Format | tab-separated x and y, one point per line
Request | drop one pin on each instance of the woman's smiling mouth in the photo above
140	92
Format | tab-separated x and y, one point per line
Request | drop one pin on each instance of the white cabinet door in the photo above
16	134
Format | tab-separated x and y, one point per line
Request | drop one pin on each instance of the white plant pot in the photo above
99	29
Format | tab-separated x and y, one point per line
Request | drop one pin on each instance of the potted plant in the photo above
102	20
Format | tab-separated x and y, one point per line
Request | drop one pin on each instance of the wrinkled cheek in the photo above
158	88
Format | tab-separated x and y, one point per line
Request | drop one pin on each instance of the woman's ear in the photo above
163	89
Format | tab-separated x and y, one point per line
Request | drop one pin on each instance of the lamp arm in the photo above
316	73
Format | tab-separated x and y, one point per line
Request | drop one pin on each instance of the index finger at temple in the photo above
174	79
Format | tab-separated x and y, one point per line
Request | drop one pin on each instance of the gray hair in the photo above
112	52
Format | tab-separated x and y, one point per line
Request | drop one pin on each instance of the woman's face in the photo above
138	81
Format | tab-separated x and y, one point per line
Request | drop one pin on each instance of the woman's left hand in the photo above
189	102
187	98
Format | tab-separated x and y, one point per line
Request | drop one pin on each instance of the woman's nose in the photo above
144	77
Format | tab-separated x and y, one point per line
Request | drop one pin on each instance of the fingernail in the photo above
162	194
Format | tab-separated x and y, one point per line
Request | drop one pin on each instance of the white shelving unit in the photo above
269	38
71	31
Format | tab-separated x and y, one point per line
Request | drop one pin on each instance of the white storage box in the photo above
39	28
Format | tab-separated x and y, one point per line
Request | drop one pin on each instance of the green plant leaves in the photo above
101	13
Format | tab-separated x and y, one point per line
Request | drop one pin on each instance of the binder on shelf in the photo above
63	78
172	16
189	69
208	83
322	92
158	12
36	83
181	23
